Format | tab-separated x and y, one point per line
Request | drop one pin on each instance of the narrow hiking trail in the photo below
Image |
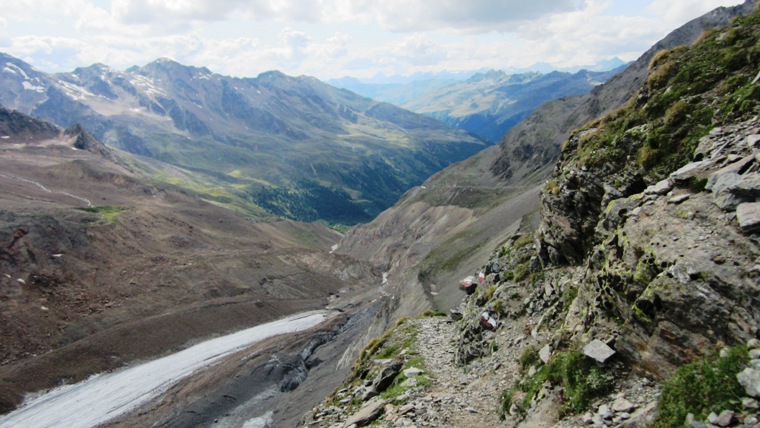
456	396
45	189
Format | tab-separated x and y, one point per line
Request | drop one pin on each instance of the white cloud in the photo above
330	38
419	50
471	15
682	11
396	15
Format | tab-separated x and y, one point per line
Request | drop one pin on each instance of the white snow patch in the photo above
5	137
30	87
334	247
264	421
9	70
76	92
13	67
146	84
103	397
385	278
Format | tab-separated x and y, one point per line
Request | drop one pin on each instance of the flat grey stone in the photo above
748	215
754	139
678	199
413	371
749	378
725	418
368	413
750	403
598	350
605	412
548	289
691	422
409	383
692	169
621	404
545	353
661	188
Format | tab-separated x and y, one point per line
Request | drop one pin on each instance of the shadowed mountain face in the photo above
293	145
540	135
489	104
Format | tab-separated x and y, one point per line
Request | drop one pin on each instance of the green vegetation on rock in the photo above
108	213
702	387
580	377
689	91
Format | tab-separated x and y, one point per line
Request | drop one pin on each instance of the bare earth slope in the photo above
100	267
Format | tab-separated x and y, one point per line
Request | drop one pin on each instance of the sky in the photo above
335	38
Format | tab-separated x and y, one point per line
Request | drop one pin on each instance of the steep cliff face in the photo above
689	91
645	267
648	242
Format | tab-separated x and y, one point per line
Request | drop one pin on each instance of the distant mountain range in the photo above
487	104
294	146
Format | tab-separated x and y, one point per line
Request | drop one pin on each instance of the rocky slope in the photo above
634	303
430	239
294	146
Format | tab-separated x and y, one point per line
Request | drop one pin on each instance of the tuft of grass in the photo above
505	402
536	276
552	187
581	380
697	185
528	357
702	387
489	292
108	213
690	90
521	272
431	314
498	306
523	241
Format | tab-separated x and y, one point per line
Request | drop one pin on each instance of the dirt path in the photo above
459	396
45	189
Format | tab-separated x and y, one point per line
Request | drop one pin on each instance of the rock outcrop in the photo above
637	294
